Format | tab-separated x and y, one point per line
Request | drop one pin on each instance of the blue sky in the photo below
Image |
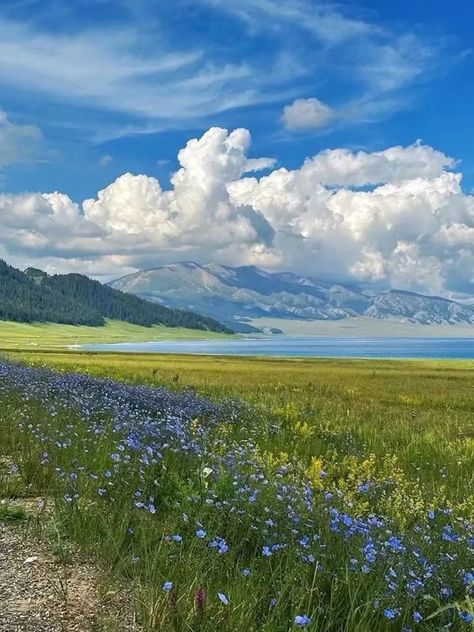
116	86
327	137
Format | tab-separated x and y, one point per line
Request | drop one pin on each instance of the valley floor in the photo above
55	336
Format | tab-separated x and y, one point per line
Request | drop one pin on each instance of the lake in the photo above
289	346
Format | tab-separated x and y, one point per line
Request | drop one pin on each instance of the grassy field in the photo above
55	336
339	496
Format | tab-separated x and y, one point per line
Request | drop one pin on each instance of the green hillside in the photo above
74	299
25	301
118	305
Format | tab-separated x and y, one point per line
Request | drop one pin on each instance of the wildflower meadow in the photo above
256	495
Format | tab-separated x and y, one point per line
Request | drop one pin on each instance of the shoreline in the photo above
364	327
292	347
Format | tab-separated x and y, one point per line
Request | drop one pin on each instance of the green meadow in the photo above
54	336
336	495
416	411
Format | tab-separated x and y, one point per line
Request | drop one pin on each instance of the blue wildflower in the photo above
466	616
468	578
449	535
395	544
302	620
224	598
391	613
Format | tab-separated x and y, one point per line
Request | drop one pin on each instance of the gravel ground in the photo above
39	594
33	593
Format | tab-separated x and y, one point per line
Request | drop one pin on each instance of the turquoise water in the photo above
289	346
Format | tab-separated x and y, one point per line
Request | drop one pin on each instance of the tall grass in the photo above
339	497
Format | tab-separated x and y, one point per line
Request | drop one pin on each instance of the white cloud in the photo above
153	78
150	85
410	225
105	160
341	167
199	203
384	67
394	63
18	143
325	21
307	114
259	164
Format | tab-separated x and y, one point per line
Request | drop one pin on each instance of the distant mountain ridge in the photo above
34	296
235	295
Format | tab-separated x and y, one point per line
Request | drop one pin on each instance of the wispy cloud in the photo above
322	19
95	68
374	64
113	71
18	143
133	74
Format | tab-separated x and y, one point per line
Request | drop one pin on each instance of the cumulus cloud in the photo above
199	203
307	114
341	167
396	217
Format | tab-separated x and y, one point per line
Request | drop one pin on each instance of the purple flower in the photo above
302	620
390	613
168	586
395	544
200	599
468	578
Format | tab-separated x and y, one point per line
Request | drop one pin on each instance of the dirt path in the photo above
45	592
40	594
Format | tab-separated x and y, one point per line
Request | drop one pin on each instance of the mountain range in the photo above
34	296
236	295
